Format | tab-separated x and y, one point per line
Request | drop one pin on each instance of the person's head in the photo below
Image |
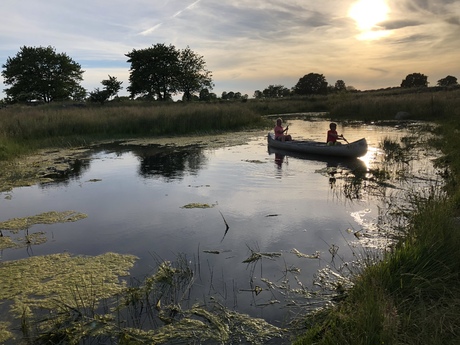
278	121
333	126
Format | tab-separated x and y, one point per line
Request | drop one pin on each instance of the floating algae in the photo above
42	282
197	205
52	217
5	334
55	290
39	167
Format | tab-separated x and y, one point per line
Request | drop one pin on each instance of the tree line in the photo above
158	73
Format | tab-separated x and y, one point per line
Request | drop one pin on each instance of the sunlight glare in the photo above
368	13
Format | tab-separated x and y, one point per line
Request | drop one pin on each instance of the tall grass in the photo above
26	128
385	105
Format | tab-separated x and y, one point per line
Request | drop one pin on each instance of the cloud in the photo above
248	43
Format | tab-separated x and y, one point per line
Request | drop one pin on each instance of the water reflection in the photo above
166	162
170	164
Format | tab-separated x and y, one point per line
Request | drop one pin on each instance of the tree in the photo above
162	71
312	83
276	91
204	95
340	86
154	72
111	88
258	94
415	80
193	75
447	81
41	73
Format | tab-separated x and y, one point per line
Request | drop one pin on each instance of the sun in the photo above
368	13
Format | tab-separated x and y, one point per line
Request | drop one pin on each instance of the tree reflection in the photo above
170	163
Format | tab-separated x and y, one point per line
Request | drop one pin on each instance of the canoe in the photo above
355	149
350	163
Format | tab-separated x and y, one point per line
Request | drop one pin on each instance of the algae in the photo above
52	217
43	282
41	167
197	205
5	334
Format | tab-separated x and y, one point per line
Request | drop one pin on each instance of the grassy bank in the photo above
412	296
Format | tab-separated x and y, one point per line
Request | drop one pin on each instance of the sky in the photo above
247	45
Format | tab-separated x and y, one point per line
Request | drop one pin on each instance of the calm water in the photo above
134	200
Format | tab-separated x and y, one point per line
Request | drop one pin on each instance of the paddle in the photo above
345	139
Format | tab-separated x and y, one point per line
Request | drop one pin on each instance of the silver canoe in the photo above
356	148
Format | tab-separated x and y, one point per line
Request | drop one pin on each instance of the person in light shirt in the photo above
279	131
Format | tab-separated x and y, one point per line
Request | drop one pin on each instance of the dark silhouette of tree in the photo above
111	88
340	86
258	94
311	84
41	74
154	72
276	91
161	71
448	81
193	74
415	80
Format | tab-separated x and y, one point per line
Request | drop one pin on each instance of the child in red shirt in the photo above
332	135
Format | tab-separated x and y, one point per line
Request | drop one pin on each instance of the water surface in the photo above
274	204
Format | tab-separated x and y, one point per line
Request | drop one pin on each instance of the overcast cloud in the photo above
248	45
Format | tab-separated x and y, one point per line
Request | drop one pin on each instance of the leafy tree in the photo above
78	94
230	95
276	91
41	73
340	86
415	80
258	94
99	96
193	74
312	83
154	72
111	88
204	95
162	71
447	81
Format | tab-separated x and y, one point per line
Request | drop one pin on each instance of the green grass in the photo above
25	129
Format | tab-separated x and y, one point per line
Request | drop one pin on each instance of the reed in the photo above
26	128
385	105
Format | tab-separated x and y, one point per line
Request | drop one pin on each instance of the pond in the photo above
263	232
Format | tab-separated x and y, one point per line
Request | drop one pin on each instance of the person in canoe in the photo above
332	135
279	131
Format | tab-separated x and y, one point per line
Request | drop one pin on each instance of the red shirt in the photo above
331	136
